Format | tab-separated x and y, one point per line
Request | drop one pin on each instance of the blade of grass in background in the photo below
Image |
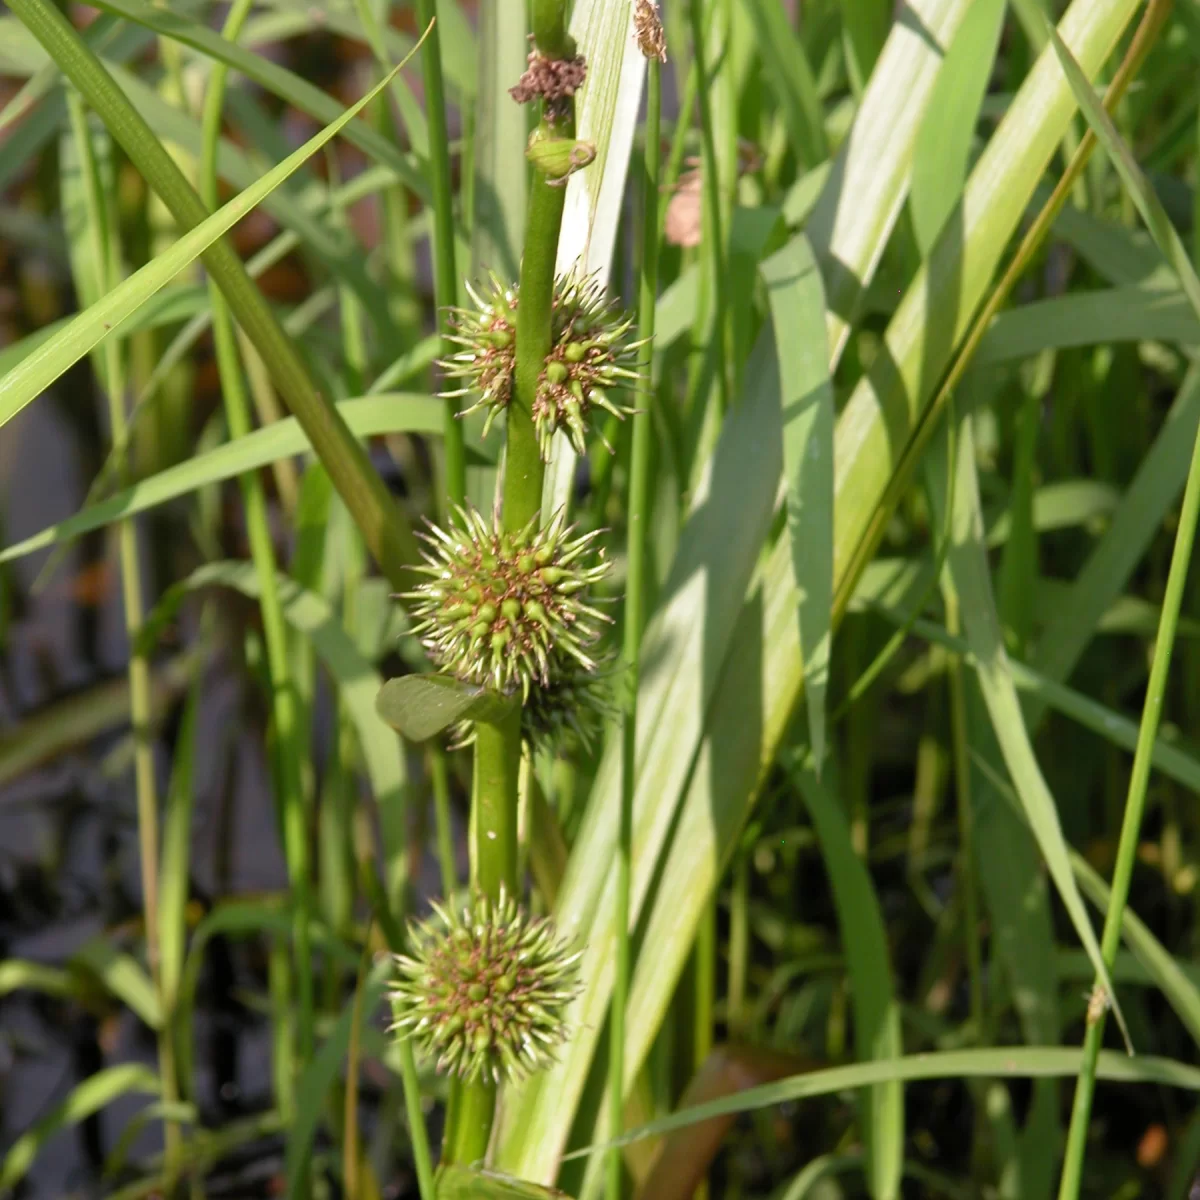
1175	253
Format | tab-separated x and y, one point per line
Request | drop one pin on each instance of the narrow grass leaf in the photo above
967	562
318	1076
86	1098
122	976
797	301
1142	194
367	416
791	79
876	1011
54	357
1004	1062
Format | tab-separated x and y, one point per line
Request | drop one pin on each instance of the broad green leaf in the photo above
968	567
942	151
805	429
876	1010
367	416
1124	314
456	1182
17	974
866	190
498	228
86	1098
422	706
55	356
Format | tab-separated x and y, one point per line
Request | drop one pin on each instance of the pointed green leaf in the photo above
797	300
421	706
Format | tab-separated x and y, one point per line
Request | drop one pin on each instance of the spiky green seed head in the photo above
591	365
486	335
562	713
509	610
485	990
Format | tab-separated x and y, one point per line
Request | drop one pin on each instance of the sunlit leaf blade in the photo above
606	117
797	302
943	146
51	359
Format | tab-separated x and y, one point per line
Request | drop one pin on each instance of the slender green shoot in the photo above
285	712
635	611
102	236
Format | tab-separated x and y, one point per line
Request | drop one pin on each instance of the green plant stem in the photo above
284	707
439	773
498	747
711	183
445	272
524	471
103	246
1131	824
387	533
549	21
494	807
635	615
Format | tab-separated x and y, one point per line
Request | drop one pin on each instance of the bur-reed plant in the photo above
846	394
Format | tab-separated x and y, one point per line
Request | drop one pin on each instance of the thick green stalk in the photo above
493	869
498	747
635	615
1131	824
445	273
549	21
524	471
103	246
284	707
387	534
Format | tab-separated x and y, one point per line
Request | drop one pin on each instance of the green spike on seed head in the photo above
508	610
591	365
485	990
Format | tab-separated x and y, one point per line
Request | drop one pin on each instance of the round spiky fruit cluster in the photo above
485	990
565	710
508	610
590	366
487	335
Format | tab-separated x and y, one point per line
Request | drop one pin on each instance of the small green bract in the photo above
508	610
485	990
590	366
